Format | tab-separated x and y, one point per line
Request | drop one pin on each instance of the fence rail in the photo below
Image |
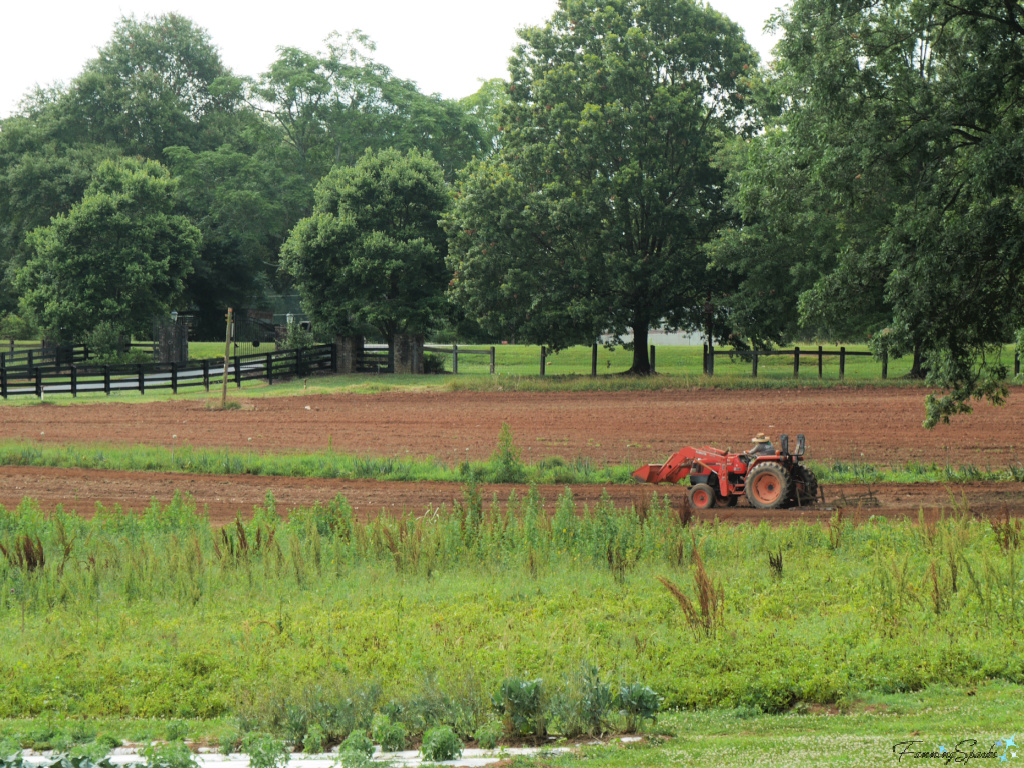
142	377
455	352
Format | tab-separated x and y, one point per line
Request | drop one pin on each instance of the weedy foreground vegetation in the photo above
547	621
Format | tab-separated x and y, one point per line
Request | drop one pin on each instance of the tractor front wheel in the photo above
768	485
702	496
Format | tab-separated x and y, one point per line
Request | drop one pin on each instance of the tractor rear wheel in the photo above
702	496
768	485
805	486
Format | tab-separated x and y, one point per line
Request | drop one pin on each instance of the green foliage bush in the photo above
173	754
583	705
391	736
638	702
522	706
264	751
357	741
489	734
441	743
315	740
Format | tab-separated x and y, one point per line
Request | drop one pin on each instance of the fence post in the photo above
492	361
653	366
842	362
270	364
3	382
820	357
796	362
593	359
543	359
755	363
704	360
74	380
39	382
334	359
1016	363
711	358
206	374
142	379
885	364
238	370
106	379
174	377
455	358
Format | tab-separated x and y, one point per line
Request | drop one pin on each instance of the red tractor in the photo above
769	480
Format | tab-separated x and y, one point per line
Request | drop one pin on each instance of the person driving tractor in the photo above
762	446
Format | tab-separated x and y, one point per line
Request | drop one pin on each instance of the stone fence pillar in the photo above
350	349
409	353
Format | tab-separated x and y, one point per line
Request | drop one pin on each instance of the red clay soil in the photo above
876	425
225	496
879	426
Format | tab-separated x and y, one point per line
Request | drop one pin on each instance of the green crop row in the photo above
504	466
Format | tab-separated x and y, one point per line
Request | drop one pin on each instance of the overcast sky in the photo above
446	46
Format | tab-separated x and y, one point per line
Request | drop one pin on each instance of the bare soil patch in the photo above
881	426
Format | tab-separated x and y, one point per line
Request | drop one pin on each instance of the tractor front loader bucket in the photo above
648	473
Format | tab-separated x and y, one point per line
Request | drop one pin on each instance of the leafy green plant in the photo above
441	743
390	735
584	703
637	702
521	705
265	751
506	462
173	754
489	734
315	740
357	741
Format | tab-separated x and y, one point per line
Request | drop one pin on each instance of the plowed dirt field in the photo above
879	426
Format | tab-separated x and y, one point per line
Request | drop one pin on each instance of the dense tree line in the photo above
639	167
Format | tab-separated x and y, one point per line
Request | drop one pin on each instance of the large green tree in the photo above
372	252
892	176
119	256
333	106
592	214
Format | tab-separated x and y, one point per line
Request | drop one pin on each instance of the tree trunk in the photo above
641	362
917	370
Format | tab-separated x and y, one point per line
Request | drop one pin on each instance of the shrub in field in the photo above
489	734
357	741
521	705
315	740
173	754
506	465
583	704
637	702
391	736
265	751
441	743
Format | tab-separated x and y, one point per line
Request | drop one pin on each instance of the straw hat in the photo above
760	438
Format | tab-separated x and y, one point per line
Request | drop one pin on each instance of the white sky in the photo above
446	46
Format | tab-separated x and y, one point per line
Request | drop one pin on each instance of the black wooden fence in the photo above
82	378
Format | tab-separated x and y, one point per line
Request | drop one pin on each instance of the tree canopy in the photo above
892	179
372	253
119	256
593	212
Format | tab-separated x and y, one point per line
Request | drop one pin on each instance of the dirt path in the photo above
224	496
880	426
